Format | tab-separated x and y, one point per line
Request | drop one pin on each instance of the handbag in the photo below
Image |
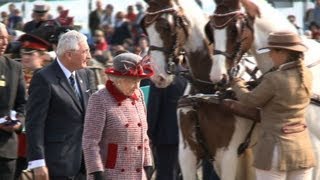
27	175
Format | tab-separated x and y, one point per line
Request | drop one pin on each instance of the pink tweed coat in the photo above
115	137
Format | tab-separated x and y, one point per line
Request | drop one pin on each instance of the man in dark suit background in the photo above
56	106
163	127
95	17
12	98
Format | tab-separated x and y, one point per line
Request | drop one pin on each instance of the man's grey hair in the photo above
70	41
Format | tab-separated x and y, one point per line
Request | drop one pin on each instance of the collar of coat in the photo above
118	95
288	65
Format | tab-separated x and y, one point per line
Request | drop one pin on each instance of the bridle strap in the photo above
227	14
160	11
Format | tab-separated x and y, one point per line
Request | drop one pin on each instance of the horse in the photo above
207	129
227	29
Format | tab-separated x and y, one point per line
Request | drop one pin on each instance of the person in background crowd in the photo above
16	20
11	8
143	44
315	31
56	106
284	149
107	18
40	15
131	16
315	17
33	58
99	41
115	140
292	19
95	17
163	127
12	101
60	10
5	18
139	18
121	30
64	19
108	32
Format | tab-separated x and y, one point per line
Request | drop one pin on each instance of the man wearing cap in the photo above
12	101
39	15
58	96
33	54
284	149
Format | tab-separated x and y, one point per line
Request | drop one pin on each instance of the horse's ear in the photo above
252	9
208	31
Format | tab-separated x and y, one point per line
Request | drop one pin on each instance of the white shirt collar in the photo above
66	72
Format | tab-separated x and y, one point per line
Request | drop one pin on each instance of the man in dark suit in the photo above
56	106
40	16
163	127
12	99
95	17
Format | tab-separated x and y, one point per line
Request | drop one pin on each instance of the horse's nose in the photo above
161	78
218	78
225	79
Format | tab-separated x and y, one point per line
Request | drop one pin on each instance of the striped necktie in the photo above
73	85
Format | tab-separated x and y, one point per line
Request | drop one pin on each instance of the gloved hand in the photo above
98	175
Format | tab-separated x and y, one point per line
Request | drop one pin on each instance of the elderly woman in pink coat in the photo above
115	141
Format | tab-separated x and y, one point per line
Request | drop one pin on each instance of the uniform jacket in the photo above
283	100
115	137
55	117
12	97
162	116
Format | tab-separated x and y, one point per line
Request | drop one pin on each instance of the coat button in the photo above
138	170
139	124
127	125
122	170
125	148
139	147
133	103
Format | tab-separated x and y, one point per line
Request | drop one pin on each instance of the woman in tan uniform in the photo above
284	150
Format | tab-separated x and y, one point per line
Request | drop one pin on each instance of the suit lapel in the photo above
82	88
64	83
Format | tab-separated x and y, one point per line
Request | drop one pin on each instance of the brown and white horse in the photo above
176	26
230	36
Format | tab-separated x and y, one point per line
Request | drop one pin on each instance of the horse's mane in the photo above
271	20
197	19
196	14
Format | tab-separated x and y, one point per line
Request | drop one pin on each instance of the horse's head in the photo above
231	31
166	27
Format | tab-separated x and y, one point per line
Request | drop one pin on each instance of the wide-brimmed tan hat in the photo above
285	40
